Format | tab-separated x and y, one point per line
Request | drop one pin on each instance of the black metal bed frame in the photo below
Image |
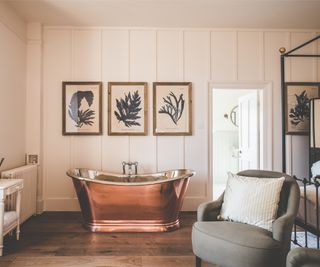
315	182
285	55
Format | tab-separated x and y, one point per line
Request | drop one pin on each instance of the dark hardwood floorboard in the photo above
58	239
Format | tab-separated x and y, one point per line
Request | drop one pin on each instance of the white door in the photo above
248	131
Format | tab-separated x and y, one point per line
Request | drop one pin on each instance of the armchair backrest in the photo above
289	200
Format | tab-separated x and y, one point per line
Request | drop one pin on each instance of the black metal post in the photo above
302	45
198	262
283	114
316	183
305	181
302	55
295	233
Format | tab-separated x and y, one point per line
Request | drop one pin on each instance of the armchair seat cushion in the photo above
235	244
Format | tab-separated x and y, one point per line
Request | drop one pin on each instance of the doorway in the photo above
237	121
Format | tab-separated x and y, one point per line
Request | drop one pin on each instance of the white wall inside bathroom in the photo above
143	54
225	135
12	87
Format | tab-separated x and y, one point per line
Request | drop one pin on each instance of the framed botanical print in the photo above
297	101
81	108
127	110
172	108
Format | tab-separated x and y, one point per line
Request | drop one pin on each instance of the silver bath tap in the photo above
130	164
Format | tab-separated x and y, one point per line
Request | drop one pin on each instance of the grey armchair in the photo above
231	244
303	257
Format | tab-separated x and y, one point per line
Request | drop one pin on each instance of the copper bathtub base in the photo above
131	226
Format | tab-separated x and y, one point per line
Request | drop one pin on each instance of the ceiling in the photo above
273	14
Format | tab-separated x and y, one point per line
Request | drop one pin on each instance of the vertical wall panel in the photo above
115	67
303	69
197	70
272	42
87	55
169	55
12	98
250	56
57	68
170	149
143	69
142	55
300	156
223	56
86	150
33	98
33	112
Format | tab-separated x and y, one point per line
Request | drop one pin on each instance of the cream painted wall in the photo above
124	54
12	21
12	88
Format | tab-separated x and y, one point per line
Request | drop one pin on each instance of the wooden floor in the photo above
58	239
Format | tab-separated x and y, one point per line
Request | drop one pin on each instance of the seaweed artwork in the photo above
173	107
128	109
300	112
79	116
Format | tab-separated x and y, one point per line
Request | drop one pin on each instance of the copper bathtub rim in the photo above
189	173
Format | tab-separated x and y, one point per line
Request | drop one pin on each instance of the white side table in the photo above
9	220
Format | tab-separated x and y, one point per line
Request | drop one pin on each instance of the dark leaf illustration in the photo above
300	112
173	106
75	112
128	109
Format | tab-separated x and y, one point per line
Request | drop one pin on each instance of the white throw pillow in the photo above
251	200
315	169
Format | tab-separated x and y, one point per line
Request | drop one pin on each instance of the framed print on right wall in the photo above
297	100
172	108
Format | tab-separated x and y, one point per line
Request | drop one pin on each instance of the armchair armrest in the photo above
282	227
209	211
303	257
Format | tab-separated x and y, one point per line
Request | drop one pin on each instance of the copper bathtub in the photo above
135	203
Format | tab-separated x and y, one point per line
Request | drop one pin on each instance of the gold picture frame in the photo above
297	97
81	108
172	108
127	108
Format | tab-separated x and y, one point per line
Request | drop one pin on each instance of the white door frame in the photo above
265	136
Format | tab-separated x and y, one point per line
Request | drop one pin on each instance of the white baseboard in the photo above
40	206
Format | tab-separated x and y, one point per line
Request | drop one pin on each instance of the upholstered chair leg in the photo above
18	232
198	262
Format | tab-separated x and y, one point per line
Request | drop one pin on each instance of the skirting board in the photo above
40	206
71	204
